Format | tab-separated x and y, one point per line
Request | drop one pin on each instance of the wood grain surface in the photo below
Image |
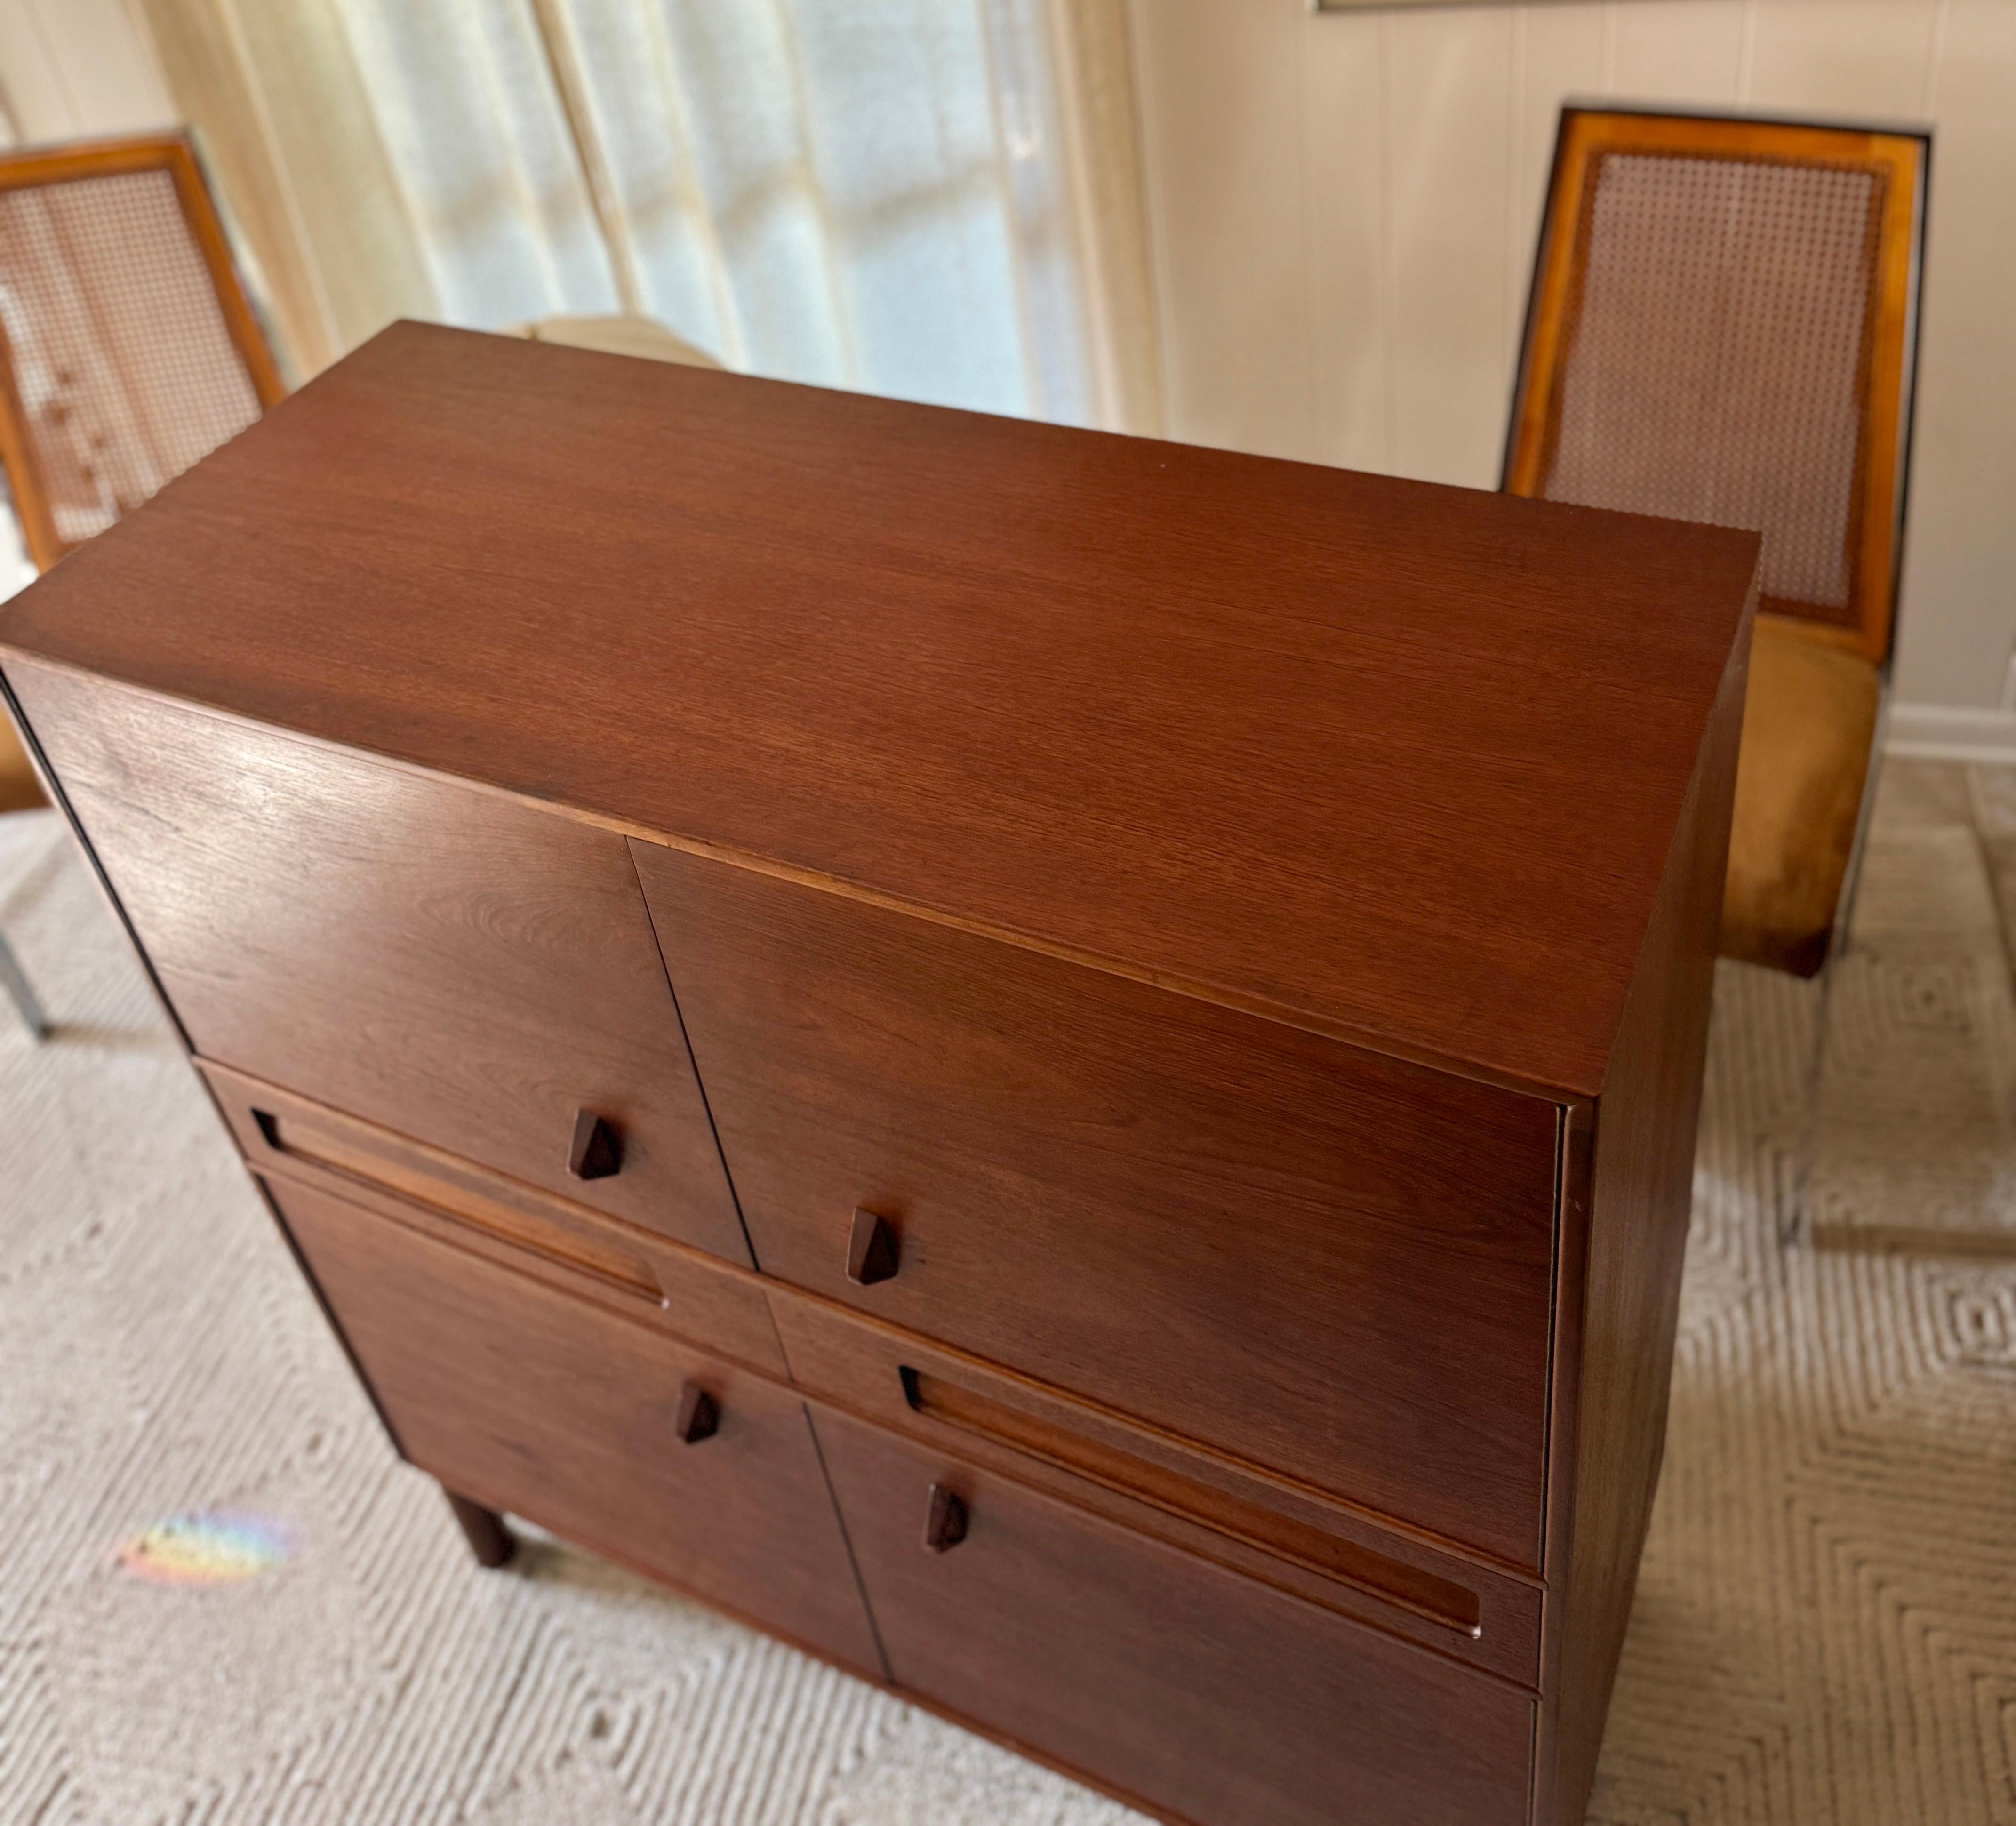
1197	1691
626	1266
455	967
1396	761
1198	966
1320	1260
1281	1533
520	1397
1633	1189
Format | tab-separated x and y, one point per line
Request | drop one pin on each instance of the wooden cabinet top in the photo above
1397	762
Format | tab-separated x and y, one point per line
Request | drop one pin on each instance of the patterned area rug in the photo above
1825	1628
222	1601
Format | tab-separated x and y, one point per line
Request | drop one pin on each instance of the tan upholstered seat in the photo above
1722	328
1808	726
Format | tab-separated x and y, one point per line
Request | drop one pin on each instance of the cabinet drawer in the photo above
1213	1506
448	963
622	1266
528	1399
1321	1261
1175	1681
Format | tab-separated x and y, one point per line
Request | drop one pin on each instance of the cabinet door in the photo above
1328	1263
529	1399
1176	1682
458	967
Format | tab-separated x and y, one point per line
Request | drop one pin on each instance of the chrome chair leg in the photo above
19	991
1795	1227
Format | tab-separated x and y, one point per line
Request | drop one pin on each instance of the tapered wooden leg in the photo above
489	1539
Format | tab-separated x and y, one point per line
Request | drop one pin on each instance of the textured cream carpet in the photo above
222	1601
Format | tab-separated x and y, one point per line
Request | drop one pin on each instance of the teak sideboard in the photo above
1063	1068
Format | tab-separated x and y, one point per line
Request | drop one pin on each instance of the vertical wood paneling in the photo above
1343	209
1449	123
78	68
1676	50
1221	123
1403	214
1345	157
1862	60
38	101
1959	618
1557	53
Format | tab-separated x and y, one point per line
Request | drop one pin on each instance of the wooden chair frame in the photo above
39	167
1902	159
1890	339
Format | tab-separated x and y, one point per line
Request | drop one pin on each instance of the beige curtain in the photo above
933	198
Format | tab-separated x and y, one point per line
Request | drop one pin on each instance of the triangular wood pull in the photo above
596	1151
698	1416
871	1250
944	1520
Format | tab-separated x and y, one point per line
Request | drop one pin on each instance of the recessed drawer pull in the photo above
944	1520
345	1150
596	1151
698	1416
1439	1601
871	1250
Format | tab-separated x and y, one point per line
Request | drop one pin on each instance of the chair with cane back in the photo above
1722	327
128	350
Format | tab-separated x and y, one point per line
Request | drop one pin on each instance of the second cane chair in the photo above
1722	327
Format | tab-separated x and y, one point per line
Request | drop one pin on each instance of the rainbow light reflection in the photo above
209	1547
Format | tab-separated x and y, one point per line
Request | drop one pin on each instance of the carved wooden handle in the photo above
596	1151
944	1520
698	1416
871	1250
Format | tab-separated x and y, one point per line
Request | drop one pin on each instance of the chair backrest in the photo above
1722	327
130	349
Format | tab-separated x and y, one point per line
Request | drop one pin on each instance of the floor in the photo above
221	1600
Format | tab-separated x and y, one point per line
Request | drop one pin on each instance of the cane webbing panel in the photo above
123	363
1720	333
1715	368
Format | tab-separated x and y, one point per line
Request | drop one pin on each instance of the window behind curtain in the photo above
866	193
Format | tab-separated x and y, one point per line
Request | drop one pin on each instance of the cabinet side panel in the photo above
1642	1177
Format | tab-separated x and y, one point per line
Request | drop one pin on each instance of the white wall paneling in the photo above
1937	732
76	69
1224	94
1344	206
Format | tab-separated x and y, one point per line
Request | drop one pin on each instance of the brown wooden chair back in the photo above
1722	327
129	348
